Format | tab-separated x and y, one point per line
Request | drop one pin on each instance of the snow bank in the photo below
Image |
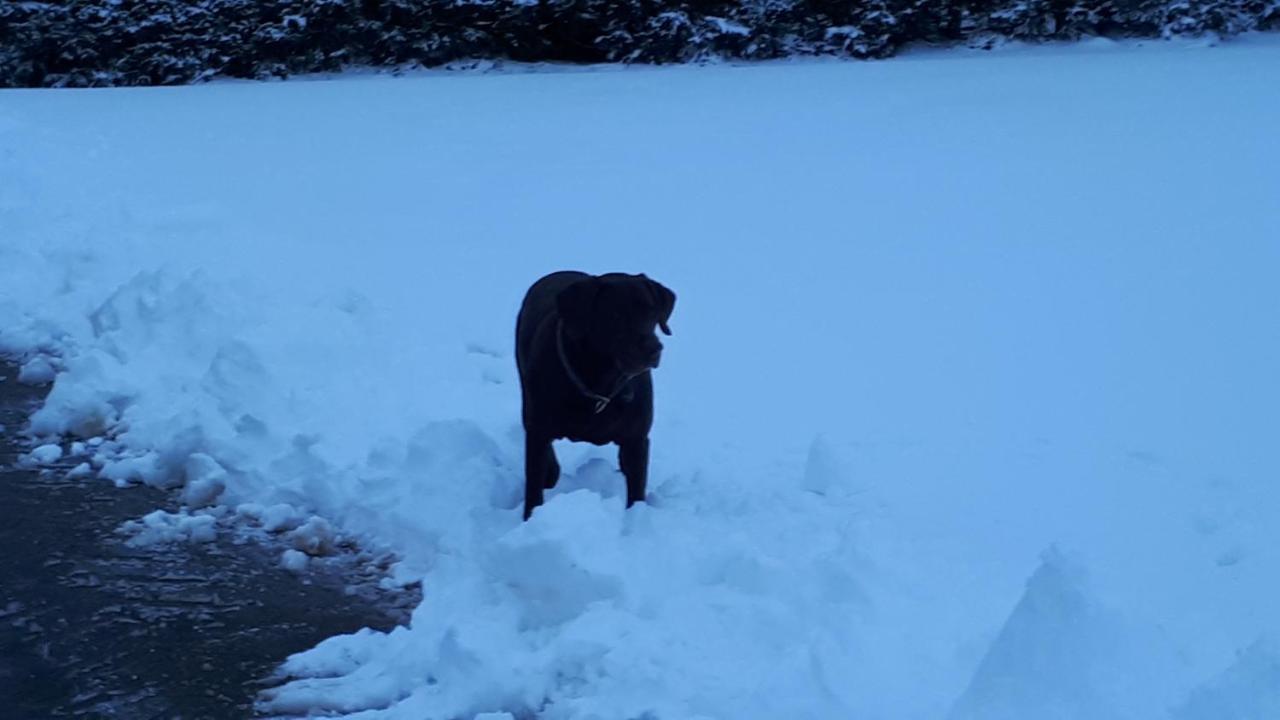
1062	655
936	315
1249	689
587	611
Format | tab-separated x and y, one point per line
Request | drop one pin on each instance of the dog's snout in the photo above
655	353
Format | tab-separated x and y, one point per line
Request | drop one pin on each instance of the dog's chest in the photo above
583	424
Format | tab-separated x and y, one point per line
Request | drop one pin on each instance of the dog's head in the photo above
617	316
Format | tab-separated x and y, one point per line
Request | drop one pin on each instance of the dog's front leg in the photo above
540	471
633	457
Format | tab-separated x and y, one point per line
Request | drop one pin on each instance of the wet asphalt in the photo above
93	628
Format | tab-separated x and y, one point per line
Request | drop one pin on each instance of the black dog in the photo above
584	346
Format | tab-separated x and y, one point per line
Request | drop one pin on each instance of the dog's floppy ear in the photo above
666	301
574	303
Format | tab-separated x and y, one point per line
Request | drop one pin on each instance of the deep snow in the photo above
970	409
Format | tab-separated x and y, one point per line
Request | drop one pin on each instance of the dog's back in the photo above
539	304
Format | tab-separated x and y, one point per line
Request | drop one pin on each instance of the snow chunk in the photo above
37	371
82	470
294	560
314	537
276	518
46	454
598	475
161	527
80	403
205	481
281	517
143	468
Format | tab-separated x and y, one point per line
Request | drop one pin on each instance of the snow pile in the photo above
909	355
587	611
1247	690
1061	655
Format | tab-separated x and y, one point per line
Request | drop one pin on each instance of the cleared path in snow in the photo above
92	627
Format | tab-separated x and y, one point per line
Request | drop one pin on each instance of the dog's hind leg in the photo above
633	458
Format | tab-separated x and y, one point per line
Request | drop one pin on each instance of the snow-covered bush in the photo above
160	42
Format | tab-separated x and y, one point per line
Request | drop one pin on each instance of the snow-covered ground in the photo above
970	411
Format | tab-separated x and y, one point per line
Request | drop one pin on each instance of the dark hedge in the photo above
82	43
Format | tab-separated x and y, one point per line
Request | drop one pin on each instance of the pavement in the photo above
93	628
